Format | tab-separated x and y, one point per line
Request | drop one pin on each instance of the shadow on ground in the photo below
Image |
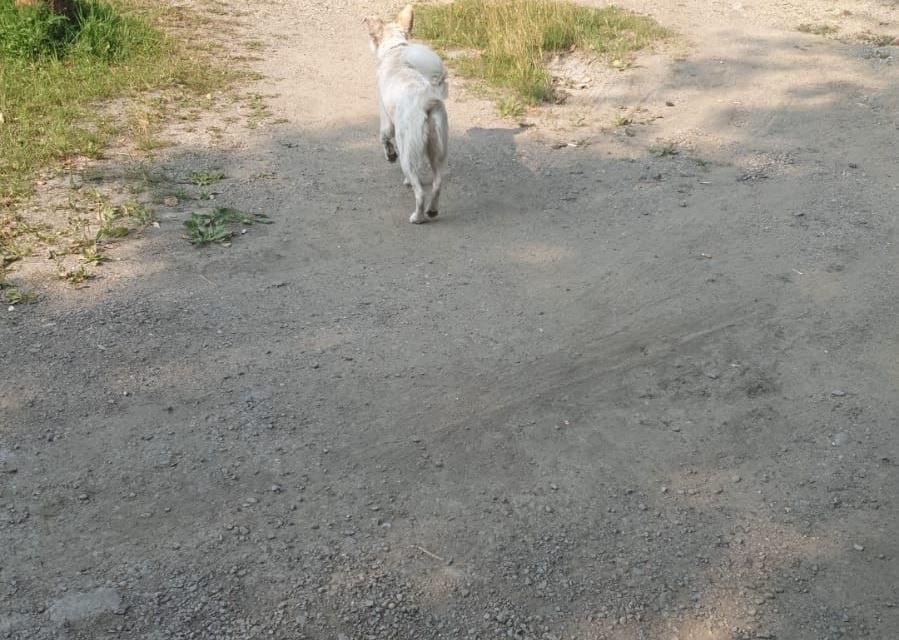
601	397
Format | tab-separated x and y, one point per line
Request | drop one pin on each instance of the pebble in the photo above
838	393
735	479
858	547
840	439
75	607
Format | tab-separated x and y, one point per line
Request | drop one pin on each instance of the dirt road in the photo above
612	393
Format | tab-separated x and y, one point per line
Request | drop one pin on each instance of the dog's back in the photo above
428	64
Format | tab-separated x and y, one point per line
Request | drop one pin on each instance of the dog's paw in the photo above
417	218
389	150
433	213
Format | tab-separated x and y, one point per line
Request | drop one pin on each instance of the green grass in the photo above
665	151
215	227
205	178
510	39
817	29
57	74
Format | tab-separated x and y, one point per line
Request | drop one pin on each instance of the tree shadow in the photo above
604	396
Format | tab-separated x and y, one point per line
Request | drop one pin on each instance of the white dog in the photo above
411	92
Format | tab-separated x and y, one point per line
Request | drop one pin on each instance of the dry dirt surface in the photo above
612	393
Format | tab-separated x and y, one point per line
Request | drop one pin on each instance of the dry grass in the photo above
510	39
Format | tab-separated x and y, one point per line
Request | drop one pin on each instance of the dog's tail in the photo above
421	128
437	131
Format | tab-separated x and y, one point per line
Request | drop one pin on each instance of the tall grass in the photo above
511	38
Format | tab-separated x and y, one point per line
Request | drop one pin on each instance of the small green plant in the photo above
215	227
112	232
143	215
510	107
92	255
107	213
74	276
15	295
205	178
665	151
817	29
509	39
622	121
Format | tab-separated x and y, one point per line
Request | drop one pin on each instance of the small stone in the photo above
75	607
858	547
840	439
276	488
838	393
83	496
735	478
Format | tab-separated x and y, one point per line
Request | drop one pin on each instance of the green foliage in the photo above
215	227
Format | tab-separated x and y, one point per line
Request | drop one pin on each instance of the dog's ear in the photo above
375	29
405	18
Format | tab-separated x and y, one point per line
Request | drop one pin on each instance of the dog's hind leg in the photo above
434	204
411	143
418	216
387	134
437	139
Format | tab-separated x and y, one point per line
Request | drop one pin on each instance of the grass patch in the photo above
510	39
205	178
877	39
216	227
665	151
58	72
817	29
510	107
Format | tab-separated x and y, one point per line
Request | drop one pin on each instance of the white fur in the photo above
412	88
